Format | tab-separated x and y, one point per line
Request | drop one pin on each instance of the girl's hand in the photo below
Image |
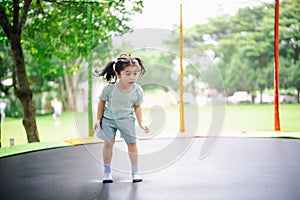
96	125
145	128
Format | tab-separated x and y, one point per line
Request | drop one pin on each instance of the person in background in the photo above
2	108
57	108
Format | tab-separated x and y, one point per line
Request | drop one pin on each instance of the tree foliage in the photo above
243	45
48	39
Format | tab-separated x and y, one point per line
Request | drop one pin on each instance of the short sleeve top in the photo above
120	105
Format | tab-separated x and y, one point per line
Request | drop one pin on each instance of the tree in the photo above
239	76
289	29
13	26
65	25
5	66
243	44
67	44
296	78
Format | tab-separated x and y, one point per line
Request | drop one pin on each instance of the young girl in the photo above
118	103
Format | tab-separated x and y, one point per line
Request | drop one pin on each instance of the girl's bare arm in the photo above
101	105
139	115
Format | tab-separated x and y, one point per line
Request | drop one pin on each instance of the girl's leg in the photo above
133	155
107	151
107	155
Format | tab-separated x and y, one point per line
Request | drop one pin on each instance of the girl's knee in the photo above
109	144
132	147
131	144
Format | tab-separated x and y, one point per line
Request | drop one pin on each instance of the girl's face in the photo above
129	75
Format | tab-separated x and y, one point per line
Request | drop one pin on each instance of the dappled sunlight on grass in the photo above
48	131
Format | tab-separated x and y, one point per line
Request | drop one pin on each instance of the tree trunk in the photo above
22	89
260	96
63	91
71	87
71	91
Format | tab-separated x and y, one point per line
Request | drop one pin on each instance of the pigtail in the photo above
143	69
108	72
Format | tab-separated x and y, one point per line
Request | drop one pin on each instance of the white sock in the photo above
134	169
107	168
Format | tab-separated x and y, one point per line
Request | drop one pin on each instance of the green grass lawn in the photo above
261	117
243	117
237	118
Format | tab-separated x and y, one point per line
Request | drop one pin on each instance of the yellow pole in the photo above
181	104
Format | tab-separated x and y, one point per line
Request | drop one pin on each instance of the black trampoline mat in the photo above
237	168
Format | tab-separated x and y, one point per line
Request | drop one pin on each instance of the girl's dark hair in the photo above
113	67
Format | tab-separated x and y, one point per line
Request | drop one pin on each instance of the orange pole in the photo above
276	68
181	104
